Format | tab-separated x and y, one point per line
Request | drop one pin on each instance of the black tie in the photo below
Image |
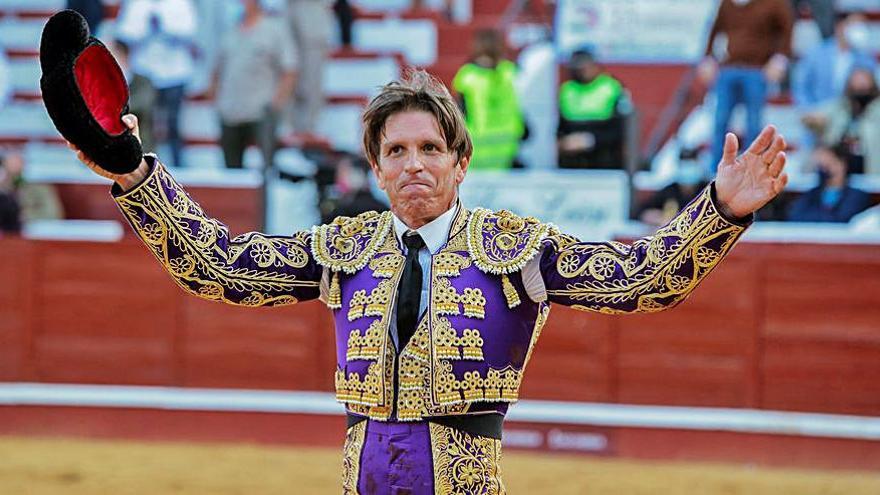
410	292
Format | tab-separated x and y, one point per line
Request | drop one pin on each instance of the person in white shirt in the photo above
161	36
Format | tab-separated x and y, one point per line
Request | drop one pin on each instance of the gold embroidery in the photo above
348	244
449	264
465	464
497	385
353	389
446	300
675	260
366	346
502	242
334	299
380	412
386	266
414	400
351	458
543	314
448	344
198	253
376	304
509	292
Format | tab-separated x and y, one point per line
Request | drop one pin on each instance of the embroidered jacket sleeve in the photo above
651	274
250	270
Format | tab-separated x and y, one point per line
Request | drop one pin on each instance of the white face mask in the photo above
857	35
741	2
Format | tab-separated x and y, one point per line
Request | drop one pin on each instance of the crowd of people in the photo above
267	66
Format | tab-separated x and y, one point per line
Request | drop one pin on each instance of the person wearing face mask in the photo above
592	105
833	199
758	34
689	181
854	120
821	75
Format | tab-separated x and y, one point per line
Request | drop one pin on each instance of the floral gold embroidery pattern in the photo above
654	273
250	270
351	457
501	242
465	464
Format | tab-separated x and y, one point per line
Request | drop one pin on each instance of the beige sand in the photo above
87	467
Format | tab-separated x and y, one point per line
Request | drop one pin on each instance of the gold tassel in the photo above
334	299
509	292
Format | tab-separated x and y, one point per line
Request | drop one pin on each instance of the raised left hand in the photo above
747	182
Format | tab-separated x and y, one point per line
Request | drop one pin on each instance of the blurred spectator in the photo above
5	79
822	12
142	95
667	202
758	34
27	201
345	18
253	81
853	119
311	23
161	35
353	185
485	90
92	10
833	200
592	106
821	75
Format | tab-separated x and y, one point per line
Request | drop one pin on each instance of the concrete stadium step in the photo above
20	34
23	121
48	160
19	6
415	39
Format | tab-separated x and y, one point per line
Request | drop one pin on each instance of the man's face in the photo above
416	169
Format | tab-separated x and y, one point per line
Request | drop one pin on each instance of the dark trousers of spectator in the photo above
141	102
737	85
235	138
345	17
92	10
169	102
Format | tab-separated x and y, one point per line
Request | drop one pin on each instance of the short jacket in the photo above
472	345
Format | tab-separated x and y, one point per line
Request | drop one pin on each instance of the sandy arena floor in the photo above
80	467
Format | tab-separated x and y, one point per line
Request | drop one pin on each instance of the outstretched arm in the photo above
251	270
659	271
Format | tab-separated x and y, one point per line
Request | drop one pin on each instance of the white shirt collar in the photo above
435	233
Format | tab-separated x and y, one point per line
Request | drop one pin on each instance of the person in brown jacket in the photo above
758	34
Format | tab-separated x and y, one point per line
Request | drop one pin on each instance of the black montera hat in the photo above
85	93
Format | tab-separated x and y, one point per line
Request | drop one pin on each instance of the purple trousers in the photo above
389	458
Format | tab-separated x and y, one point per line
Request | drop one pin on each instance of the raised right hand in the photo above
125	181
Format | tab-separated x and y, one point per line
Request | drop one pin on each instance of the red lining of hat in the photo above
103	87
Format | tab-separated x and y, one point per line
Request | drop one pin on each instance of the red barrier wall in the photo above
794	327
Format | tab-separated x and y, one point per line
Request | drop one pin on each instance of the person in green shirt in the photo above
592	106
485	91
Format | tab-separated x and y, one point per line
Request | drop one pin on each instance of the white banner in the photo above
589	204
668	31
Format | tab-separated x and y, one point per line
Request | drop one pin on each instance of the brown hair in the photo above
417	90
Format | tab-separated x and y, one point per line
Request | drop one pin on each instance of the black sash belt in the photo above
483	425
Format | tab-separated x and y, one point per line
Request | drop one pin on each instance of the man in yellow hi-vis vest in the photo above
486	93
591	109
